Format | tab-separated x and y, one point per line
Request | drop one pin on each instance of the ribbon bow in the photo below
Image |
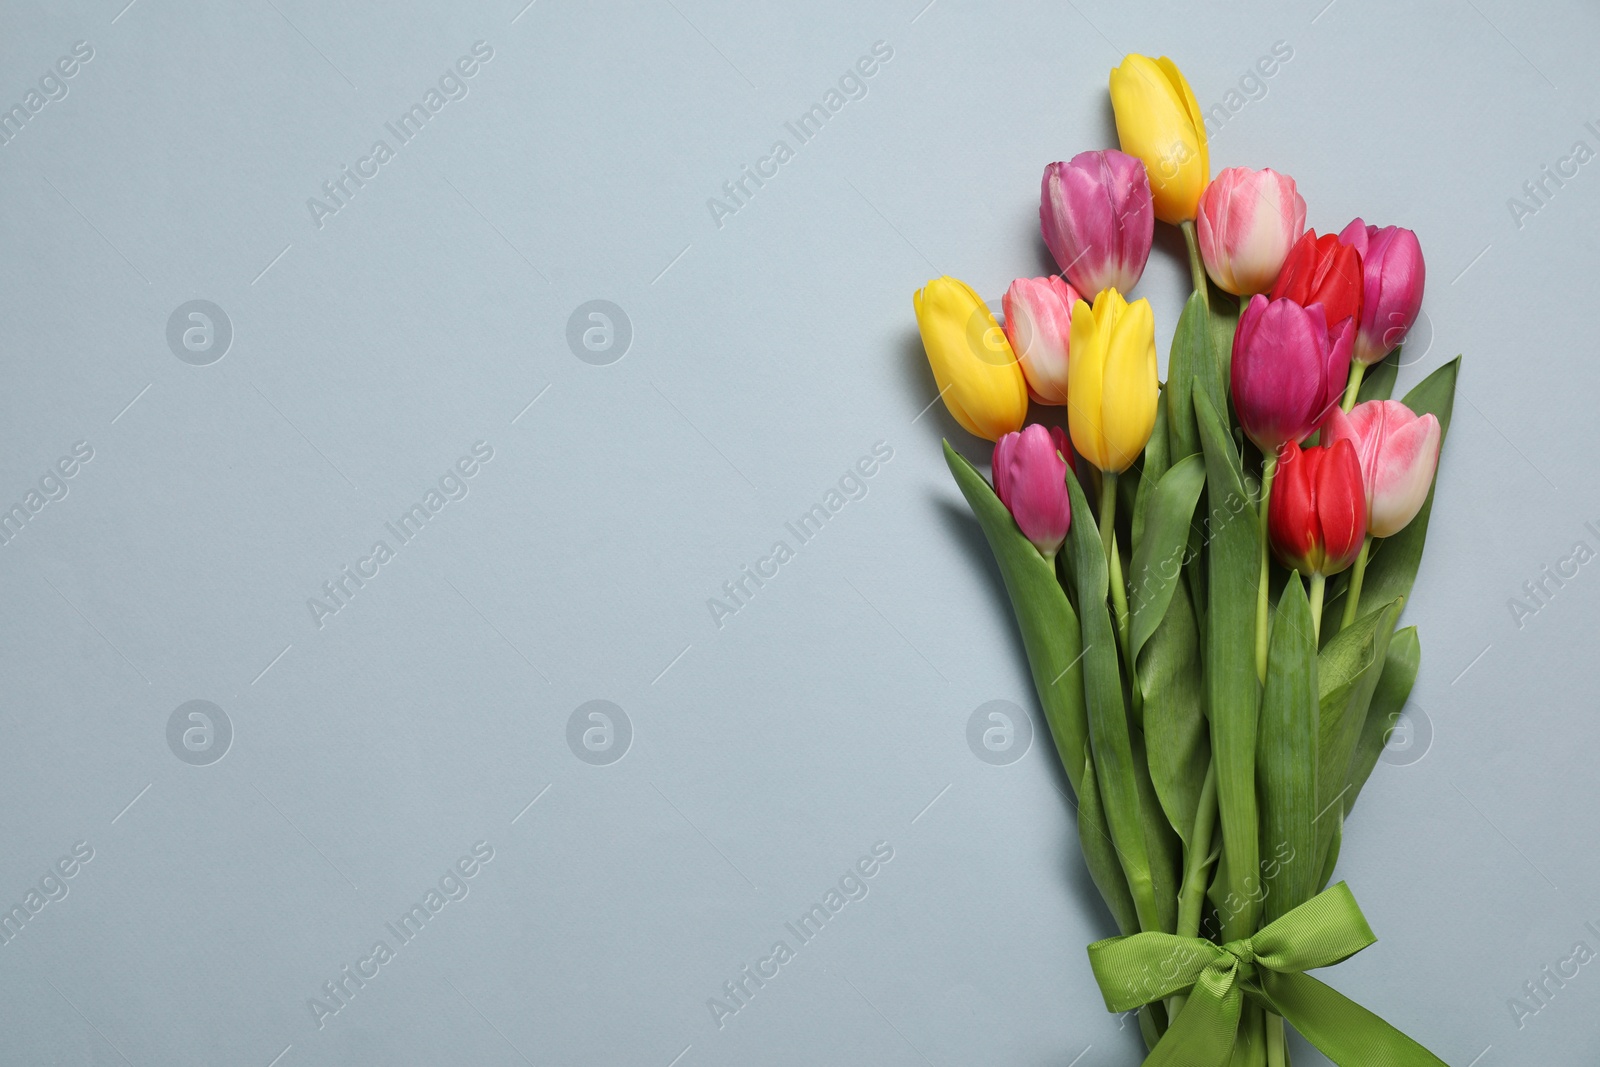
1327	929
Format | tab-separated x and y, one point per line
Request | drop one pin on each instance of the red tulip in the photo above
1030	478
1323	270
1317	516
1289	369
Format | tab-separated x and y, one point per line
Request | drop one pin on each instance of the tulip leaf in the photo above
1100	854
1185	365
1378	382
1232	691
1154	465
1158	557
1166	851
1347	673
1176	739
1286	756
1393	561
1050	631
1225	311
1110	732
1388	699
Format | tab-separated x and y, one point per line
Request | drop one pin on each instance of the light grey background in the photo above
768	355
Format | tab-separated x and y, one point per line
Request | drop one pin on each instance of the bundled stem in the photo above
1269	469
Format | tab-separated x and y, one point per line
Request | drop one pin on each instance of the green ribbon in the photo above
1143	968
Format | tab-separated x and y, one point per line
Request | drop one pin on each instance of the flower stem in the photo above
1269	468
1318	584
1196	862
1353	390
1353	597
1197	266
1277	1049
1119	593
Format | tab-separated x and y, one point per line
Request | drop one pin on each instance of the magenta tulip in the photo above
1030	477
1399	451
1097	218
1039	327
1248	222
1392	279
1289	369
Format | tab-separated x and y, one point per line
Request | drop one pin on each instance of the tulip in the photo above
1318	514
973	365
1249	220
1039	327
1289	367
1398	450
1097	218
1392	277
1030	477
1322	270
1159	121
1112	380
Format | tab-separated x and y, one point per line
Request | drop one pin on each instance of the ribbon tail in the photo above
1203	1033
1344	1031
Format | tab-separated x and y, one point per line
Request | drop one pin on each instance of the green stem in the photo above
1197	266
1119	592
1196	862
1353	390
1318	585
1277	1050
1269	469
1353	595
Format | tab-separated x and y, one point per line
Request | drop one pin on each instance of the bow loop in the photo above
1146	967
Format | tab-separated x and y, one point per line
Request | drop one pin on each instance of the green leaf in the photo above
1232	691
1347	672
1100	855
1225	312
1176	737
1150	471
1166	852
1286	756
1378	382
1189	354
1050	632
1158	556
1110	736
1388	698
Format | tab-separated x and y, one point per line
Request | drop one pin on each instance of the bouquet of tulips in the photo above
1213	639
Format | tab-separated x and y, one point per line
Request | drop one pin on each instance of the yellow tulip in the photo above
976	371
1111	380
1159	121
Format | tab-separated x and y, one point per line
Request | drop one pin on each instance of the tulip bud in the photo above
1322	270
1289	369
1159	120
1317	517
1030	477
1039	327
1098	220
1399	452
1249	220
1113	382
972	361
1392	277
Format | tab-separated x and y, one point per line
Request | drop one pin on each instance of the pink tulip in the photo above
1097	218
1248	222
1392	278
1039	327
1289	369
1030	477
1398	451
